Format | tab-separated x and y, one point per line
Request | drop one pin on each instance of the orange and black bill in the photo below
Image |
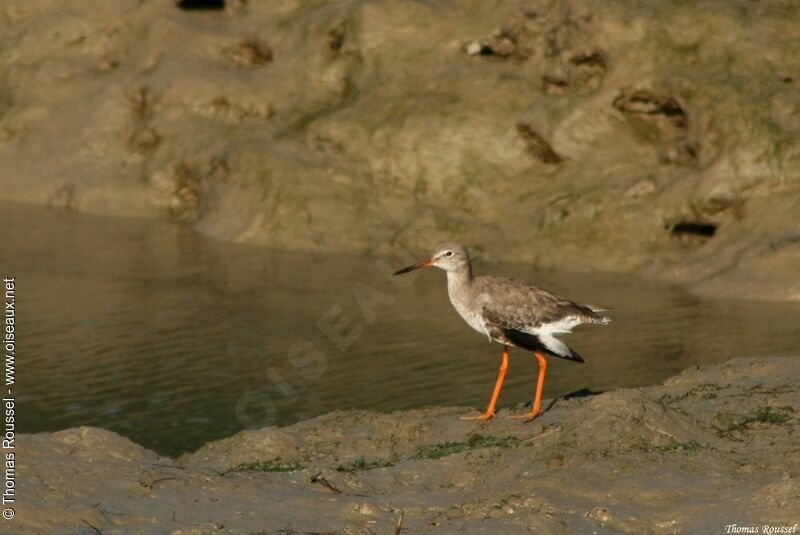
428	262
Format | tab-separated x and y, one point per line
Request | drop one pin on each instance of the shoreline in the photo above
734	285
707	448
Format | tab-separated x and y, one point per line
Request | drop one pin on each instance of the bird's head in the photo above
447	256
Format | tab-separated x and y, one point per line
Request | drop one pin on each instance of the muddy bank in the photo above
710	447
660	138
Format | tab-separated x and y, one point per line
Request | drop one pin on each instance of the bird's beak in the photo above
428	262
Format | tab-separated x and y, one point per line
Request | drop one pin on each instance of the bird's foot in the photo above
528	416
483	416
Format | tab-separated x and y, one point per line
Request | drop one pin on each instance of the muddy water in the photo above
173	339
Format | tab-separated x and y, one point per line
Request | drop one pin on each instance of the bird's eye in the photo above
449	253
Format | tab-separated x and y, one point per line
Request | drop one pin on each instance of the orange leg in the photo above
537	401
497	387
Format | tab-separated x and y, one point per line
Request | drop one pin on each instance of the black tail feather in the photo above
573	356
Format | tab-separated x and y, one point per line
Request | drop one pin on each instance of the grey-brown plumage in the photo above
510	311
523	315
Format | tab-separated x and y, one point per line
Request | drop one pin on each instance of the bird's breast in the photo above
471	312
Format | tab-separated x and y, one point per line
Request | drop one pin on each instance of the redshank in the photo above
511	312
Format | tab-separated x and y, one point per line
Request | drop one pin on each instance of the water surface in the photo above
174	339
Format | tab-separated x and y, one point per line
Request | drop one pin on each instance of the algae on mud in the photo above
709	447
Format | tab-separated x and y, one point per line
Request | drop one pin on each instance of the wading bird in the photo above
511	312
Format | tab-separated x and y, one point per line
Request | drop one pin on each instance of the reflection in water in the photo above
173	339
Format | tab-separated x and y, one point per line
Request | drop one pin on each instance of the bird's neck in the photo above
459	278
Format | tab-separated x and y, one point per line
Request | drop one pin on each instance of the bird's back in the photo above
523	306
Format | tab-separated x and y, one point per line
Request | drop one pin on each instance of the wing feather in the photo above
526	316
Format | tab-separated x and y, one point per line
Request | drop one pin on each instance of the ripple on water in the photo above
156	332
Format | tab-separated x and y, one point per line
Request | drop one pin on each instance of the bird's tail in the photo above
570	354
548	345
591	314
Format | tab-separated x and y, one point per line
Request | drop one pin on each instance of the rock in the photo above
474	48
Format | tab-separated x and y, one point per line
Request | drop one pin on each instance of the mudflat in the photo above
711	447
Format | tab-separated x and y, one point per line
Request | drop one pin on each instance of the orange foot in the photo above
483	416
528	416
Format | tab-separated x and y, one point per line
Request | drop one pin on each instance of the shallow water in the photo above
173	339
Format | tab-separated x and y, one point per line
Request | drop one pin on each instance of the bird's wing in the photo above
522	305
533	339
519	305
528	317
